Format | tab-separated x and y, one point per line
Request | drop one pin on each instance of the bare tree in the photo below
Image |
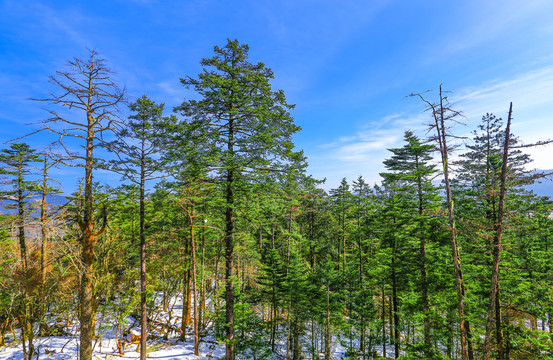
442	115
84	109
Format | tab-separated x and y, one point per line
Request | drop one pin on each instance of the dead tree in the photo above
83	110
442	115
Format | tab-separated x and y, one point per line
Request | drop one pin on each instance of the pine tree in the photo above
491	195
411	170
18	160
241	129
47	217
361	297
139	163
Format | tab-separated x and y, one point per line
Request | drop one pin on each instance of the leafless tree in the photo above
85	109
442	115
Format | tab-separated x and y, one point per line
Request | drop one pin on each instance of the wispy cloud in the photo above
173	91
532	97
480	23
46	22
527	91
363	152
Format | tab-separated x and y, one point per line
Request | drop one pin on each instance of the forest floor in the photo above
162	347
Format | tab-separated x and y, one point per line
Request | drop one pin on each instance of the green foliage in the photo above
300	269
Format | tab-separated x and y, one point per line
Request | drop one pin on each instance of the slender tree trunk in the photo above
23	338
370	345
274	298
21	222
185	292
289	337
313	343
362	341
229	249
428	352
296	354
143	311
499	326
391	320
273	323
312	242
43	244
507	342
289	239
497	247
217	304
383	321
25	319
26	326
395	305
360	285
466	343
327	328
201	307
194	291
87	255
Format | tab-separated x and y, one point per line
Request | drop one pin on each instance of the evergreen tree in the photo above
486	171
241	128
18	160
363	304
139	163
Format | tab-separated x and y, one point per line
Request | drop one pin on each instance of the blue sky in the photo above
347	65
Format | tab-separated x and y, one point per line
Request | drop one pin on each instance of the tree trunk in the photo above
499	326
229	257
394	302
229	244
87	248
143	312
327	328
185	293
383	321
362	344
428	352
194	290
391	320
466	343
25	319
497	246
43	244
296	353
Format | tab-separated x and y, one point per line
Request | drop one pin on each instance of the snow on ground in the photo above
65	348
52	349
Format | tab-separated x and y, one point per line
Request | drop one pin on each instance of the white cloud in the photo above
363	152
46	22
478	29
532	97
529	90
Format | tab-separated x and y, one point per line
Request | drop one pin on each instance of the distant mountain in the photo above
50	199
543	188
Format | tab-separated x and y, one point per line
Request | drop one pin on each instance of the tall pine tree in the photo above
242	129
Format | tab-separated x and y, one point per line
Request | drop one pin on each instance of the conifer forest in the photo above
214	236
